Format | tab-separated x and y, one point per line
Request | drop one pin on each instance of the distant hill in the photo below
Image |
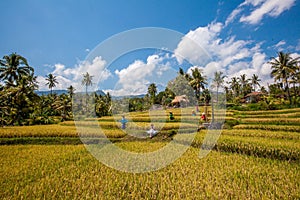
129	96
59	92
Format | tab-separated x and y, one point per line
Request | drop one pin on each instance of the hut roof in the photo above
179	99
254	94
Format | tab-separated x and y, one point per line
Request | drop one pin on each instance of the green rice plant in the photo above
269	112
261	147
268	127
288	115
38	131
262	133
58	131
275	121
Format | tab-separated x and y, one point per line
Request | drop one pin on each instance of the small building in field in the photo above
180	101
253	97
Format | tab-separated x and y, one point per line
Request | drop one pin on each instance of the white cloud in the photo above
259	9
73	76
282	42
59	68
233	15
295	55
136	78
193	46
279	46
272	8
298	45
231	56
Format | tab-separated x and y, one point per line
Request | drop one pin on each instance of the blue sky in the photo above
239	36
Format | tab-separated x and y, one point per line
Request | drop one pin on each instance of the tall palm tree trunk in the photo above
288	91
86	98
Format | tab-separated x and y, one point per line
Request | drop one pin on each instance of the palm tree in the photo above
198	81
235	86
218	82
51	82
255	81
13	67
152	91
282	69
245	87
21	99
71	91
181	72
63	105
87	81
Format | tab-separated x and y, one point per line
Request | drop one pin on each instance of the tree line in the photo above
20	105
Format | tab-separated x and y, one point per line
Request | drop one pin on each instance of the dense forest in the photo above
21	105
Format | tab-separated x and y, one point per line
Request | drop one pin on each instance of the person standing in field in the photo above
203	116
171	116
193	113
123	122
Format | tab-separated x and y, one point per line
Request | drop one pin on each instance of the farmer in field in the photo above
193	113
171	116
203	116
123	122
152	132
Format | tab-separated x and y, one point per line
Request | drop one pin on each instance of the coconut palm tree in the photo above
282	69
198	81
71	91
21	99
13	67
245	87
235	86
87	81
152	89
51	82
63	105
255	81
218	82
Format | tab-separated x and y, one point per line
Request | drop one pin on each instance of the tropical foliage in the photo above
20	105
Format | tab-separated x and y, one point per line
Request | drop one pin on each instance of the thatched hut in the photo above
180	101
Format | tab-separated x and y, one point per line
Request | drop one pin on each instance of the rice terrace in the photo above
176	100
250	160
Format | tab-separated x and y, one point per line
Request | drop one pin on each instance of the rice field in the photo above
70	172
258	158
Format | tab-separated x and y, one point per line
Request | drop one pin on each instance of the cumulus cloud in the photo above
67	76
193	45
271	8
259	9
135	78
231	56
207	50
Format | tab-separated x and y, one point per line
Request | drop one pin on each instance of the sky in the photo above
69	38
